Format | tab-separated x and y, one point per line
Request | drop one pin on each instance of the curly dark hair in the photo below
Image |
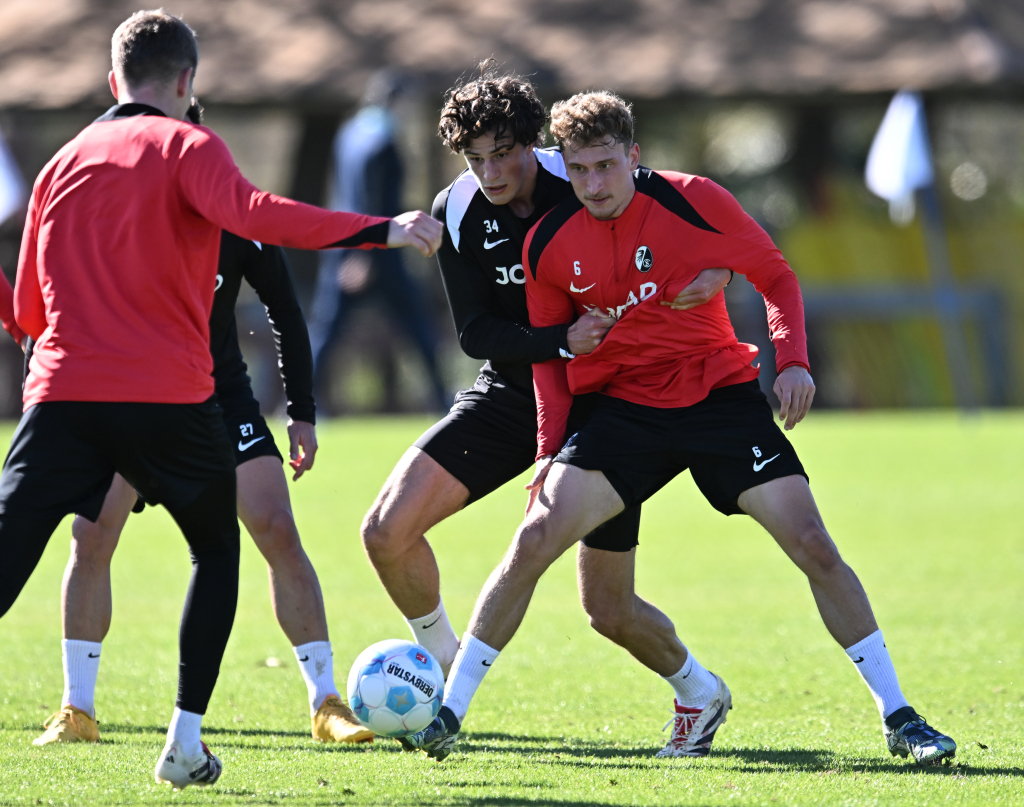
505	105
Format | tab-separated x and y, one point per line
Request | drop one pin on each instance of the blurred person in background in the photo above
367	179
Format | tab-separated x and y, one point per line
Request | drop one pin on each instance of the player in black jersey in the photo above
263	506
490	435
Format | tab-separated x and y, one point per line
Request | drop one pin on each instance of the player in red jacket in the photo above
115	285
678	392
7	311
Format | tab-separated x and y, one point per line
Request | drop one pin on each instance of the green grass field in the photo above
928	508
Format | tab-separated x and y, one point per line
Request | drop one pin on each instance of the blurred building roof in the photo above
55	53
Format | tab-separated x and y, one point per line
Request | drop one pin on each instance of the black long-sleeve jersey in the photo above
482	269
266	270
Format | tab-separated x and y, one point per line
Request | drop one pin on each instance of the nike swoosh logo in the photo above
858	660
486	664
92	656
759	465
572	287
489	245
432	623
243	446
307	658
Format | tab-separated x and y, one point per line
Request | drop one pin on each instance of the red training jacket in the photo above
675	226
7	310
118	260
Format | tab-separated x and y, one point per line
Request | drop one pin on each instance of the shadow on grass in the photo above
747	760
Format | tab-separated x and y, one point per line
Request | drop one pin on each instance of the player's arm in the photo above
269	275
548	305
29	307
7	311
755	255
214	187
484	333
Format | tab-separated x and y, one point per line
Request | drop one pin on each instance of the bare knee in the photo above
92	543
535	547
275	534
382	540
815	552
608	620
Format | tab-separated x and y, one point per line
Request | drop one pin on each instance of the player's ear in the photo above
112	81
634	156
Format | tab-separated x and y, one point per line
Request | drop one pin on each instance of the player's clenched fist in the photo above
588	331
415	229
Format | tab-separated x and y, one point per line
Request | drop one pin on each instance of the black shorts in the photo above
729	441
64	455
247	429
490	437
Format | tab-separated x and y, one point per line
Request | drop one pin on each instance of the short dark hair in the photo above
592	117
153	46
506	105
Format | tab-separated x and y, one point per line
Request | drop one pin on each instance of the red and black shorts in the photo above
729	442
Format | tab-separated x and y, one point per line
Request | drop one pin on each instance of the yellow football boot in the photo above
69	725
335	723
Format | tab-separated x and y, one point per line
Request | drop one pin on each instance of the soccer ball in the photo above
395	688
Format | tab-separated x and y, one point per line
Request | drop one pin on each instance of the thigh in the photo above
57	463
571	504
262	496
488	438
630	444
171	453
785	507
419	494
247	429
737	445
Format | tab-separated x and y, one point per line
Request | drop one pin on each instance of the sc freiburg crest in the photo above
644	259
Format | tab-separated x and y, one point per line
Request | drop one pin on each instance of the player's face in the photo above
602	176
501	166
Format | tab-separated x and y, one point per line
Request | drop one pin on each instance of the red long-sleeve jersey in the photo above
7	310
675	226
119	256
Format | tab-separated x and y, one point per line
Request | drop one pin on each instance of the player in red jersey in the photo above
678	392
115	284
7	311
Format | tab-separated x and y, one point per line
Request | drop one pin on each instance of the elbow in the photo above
471	347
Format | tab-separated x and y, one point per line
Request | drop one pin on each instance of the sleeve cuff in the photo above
794	364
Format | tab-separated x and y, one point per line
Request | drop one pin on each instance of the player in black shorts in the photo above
263	506
490	435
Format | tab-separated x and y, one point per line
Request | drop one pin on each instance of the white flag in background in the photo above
12	186
900	161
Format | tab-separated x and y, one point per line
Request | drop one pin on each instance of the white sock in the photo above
434	633
871	658
694	686
81	666
316	660
184	730
471	664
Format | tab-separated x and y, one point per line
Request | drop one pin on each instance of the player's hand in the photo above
415	229
588	331
795	389
302	446
539	475
703	288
